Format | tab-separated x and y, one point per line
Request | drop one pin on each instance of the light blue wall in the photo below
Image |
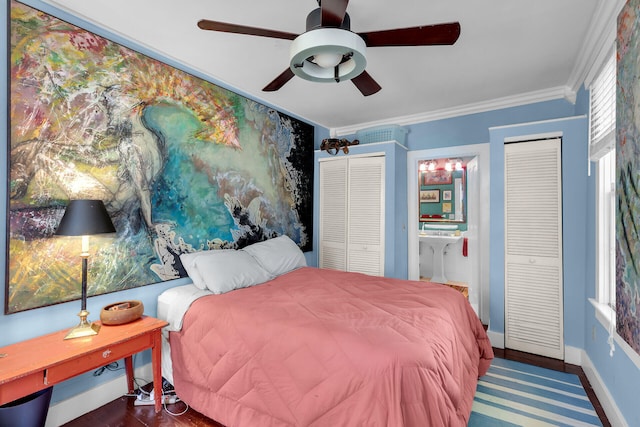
574	203
474	128
493	127
32	323
619	374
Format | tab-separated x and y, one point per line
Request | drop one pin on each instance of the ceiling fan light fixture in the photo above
327	59
331	44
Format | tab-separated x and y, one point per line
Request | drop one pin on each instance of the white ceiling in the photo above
508	50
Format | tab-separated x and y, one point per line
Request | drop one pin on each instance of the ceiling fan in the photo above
329	51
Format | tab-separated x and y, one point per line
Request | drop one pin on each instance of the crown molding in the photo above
598	42
463	110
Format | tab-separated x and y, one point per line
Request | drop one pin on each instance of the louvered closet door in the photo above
366	215
533	248
333	214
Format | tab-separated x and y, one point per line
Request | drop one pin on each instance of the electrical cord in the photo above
164	405
167	388
113	366
169	396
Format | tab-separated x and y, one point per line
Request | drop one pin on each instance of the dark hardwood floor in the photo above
122	412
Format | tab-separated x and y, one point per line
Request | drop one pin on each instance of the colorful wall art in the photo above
628	176
181	164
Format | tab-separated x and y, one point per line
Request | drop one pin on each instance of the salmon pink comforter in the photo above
320	347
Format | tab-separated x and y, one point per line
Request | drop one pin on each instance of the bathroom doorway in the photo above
476	264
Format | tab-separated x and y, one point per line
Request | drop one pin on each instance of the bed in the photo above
317	347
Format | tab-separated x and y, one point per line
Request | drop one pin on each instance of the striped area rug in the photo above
517	394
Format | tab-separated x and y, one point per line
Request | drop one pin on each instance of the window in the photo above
606	239
602	152
603	110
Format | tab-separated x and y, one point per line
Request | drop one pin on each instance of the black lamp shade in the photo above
85	218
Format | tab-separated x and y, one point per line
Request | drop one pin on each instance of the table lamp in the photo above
84	218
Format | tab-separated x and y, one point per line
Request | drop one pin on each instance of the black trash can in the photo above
29	411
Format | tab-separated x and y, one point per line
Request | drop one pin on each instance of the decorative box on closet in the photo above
359	227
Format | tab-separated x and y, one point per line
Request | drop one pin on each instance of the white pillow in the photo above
187	260
278	256
225	270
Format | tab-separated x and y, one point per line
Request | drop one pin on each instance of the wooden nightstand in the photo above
38	363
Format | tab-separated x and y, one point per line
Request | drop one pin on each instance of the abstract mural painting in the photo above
628	176
181	164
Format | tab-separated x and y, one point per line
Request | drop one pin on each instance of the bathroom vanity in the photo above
439	243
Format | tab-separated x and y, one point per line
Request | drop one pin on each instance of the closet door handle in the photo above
532	260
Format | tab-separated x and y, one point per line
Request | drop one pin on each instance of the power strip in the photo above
167	400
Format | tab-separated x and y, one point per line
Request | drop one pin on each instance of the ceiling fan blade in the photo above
428	35
279	81
333	12
224	27
365	84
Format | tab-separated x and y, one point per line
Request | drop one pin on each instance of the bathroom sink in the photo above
439	243
439	239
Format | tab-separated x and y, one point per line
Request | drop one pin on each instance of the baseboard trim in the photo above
496	338
573	355
70	409
600	389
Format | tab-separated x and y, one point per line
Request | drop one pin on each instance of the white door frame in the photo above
478	227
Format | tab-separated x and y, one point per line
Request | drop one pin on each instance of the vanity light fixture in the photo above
430	166
448	166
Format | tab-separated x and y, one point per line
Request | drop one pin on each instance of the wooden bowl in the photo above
121	312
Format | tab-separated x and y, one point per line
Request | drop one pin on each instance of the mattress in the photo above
172	306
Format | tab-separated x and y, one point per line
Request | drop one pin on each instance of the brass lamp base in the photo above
84	328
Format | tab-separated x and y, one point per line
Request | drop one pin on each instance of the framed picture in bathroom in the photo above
436	177
446	194
430	196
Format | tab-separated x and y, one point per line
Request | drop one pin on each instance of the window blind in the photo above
603	110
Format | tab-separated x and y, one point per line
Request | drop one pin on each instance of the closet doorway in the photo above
533	247
352	216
